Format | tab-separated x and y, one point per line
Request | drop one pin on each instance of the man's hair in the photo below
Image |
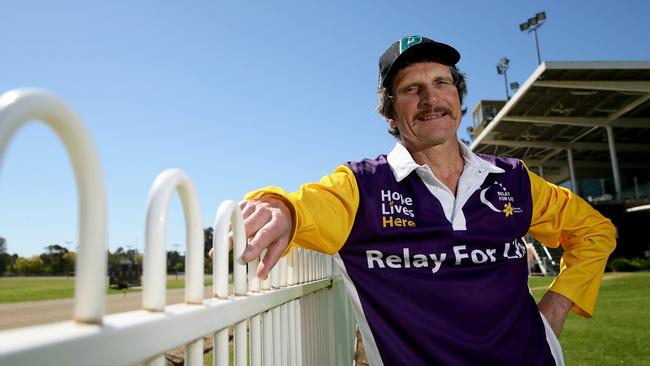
386	99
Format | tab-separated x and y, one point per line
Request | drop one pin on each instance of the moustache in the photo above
435	110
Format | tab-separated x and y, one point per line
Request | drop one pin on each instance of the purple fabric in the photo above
471	308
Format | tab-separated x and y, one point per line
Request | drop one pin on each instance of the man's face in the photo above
426	107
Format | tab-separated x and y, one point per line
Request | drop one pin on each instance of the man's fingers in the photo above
263	229
262	239
272	256
265	222
255	221
247	208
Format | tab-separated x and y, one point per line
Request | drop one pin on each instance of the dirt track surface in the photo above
22	314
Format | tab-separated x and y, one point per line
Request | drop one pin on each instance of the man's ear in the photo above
391	123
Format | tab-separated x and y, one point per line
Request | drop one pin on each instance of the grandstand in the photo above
584	126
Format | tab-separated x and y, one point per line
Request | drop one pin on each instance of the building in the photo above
585	126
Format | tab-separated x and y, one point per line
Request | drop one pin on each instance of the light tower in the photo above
502	69
531	26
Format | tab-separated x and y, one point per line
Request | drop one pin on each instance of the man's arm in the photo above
319	216
555	309
562	218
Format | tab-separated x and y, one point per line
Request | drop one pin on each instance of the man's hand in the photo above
555	308
268	224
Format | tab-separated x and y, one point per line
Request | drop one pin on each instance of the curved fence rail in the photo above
299	316
19	107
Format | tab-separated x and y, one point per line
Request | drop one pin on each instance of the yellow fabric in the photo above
323	213
562	218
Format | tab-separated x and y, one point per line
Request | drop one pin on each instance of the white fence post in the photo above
155	264
267	338
18	107
277	337
154	278
229	214
256	340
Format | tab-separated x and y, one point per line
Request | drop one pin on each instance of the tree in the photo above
12	263
134	256
115	257
69	260
53	261
179	267
207	240
207	245
5	258
29	266
173	259
22	265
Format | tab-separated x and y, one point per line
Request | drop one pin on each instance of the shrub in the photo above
642	263
629	265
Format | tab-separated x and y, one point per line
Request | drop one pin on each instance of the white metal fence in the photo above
299	316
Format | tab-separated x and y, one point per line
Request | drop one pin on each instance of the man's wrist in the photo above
555	308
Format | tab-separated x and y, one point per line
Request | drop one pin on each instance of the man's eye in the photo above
444	82
411	90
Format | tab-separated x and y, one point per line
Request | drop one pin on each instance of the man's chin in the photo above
415	145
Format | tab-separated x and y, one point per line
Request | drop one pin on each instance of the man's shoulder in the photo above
368	166
503	162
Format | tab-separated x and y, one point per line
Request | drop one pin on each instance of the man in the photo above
428	238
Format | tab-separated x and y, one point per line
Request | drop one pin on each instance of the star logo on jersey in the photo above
496	195
507	209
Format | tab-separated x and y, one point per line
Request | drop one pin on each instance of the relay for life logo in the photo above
396	209
503	199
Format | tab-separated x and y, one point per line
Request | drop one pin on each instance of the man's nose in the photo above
428	96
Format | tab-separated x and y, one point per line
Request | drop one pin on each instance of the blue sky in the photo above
243	94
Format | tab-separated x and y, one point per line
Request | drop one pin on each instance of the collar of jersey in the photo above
402	164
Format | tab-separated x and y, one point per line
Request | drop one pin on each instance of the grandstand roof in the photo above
566	105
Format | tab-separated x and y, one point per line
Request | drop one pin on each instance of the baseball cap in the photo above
411	48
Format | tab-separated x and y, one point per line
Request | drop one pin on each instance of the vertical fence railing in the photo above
298	316
155	256
19	107
229	214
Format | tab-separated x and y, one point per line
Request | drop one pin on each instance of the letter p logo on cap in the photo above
408	41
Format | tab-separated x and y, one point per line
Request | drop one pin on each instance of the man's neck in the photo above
445	161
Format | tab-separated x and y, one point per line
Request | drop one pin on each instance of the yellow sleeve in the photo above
588	238
323	213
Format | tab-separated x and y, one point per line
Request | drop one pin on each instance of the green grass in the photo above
534	282
207	358
619	332
19	289
34	288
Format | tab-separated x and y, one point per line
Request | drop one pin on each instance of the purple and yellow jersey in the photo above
434	282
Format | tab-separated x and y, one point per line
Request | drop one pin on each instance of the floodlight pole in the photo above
531	26
502	69
539	58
